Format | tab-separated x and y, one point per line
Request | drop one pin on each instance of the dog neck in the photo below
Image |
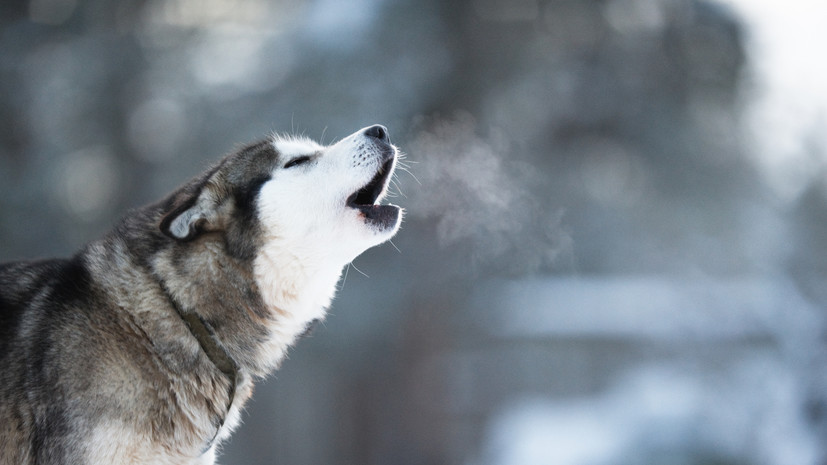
215	352
253	314
295	291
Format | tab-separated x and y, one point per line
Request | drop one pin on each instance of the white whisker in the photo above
360	271
344	278
406	170
398	190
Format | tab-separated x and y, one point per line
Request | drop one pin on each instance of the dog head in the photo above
291	194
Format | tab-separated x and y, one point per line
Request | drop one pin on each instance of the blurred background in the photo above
614	251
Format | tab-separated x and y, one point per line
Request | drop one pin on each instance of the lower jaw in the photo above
381	217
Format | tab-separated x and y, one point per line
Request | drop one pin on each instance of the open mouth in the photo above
366	199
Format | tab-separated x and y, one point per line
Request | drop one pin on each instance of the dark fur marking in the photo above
72	282
240	239
66	281
310	328
45	437
11	314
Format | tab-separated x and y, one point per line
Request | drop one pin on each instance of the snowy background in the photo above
615	245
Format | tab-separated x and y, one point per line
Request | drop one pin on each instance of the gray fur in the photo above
93	351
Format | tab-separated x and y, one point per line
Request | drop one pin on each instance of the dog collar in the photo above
219	357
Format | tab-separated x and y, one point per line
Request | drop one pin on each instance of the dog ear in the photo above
191	217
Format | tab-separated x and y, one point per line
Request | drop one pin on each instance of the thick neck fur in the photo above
295	291
257	309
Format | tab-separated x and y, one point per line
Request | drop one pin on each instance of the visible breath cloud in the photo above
482	198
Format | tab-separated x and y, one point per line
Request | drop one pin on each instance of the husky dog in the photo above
143	347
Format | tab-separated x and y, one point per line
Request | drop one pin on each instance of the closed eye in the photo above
297	161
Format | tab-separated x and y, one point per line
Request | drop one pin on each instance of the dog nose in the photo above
379	132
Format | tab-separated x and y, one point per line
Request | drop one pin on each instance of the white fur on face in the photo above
310	231
289	147
304	206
